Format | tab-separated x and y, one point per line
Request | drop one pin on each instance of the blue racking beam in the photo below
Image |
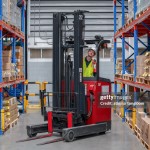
135	8
123	13
23	18
22	44
14	50
135	49
115	46
126	7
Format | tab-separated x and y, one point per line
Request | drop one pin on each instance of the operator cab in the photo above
97	44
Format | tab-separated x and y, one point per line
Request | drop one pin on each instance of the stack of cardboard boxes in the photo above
10	110
140	65
145	130
146	74
7	54
19	60
119	66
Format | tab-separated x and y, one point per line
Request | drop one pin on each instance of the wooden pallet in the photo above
141	12
147	82
145	144
128	23
7	22
15	122
140	80
20	77
118	76
137	132
128	122
11	125
128	77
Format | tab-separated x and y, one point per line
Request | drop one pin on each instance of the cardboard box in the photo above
19	52
6	60
148	108
146	130
140	70
7	53
6	66
139	116
140	60
20	67
20	63
9	101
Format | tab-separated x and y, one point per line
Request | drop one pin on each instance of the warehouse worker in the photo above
88	64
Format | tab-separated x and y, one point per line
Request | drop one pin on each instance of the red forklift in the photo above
76	109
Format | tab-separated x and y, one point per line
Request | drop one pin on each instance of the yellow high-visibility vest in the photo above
87	71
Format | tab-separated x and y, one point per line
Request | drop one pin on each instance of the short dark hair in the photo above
92	50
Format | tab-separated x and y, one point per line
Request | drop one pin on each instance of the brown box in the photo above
6	66
140	60
140	71
9	101
7	53
20	66
20	63
139	116
6	60
148	108
146	130
19	52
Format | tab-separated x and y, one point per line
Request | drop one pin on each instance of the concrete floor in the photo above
120	138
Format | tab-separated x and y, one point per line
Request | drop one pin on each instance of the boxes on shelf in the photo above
140	65
10	110
127	62
145	130
11	13
139	116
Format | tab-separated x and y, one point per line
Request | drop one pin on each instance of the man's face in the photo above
91	53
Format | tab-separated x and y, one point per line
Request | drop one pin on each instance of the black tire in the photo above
31	135
70	136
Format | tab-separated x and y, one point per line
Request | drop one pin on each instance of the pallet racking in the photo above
137	27
9	31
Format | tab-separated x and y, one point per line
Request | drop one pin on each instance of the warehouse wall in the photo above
98	22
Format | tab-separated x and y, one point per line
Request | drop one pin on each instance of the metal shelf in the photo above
4	84
140	22
136	27
134	84
9	31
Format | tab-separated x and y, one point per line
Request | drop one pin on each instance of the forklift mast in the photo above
65	72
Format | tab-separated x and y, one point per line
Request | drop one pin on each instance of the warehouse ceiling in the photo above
98	22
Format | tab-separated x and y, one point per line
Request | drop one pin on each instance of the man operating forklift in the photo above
89	63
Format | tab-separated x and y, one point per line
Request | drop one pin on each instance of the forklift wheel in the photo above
31	135
70	136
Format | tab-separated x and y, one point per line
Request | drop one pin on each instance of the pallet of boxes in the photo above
10	112
143	69
129	70
9	72
142	127
19	62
